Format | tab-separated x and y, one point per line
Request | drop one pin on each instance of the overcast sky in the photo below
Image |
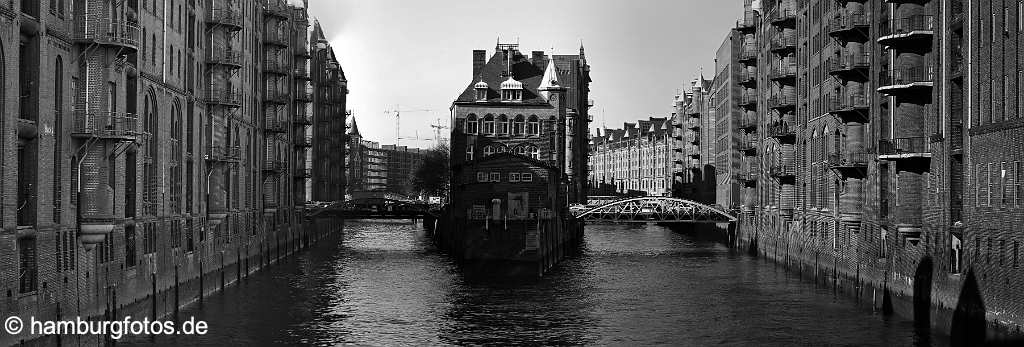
418	54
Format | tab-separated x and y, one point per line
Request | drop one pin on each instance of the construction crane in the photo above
397	111
437	130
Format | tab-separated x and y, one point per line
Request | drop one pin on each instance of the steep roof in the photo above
523	70
353	128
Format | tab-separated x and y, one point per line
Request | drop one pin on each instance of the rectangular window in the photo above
1006	20
978	176
481	177
1002	251
1007	97
513	177
1003	184
988	251
1018	193
991	182
527	177
1016	253
28	269
495	177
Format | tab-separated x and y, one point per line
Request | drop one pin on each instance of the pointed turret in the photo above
550	82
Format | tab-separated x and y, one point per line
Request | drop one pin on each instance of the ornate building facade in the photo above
636	159
153	148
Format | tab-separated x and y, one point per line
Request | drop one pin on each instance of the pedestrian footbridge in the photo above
651	209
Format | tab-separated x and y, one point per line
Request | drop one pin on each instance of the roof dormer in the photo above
511	90
481	90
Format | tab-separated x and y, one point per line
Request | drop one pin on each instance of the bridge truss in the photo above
652	209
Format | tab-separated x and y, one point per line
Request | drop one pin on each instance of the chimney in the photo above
479	59
537	58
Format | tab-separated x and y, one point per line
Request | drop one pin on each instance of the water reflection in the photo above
383	284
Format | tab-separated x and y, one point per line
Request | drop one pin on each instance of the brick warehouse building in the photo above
151	141
883	151
519	157
693	154
636	158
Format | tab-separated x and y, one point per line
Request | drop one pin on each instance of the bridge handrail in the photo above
731	218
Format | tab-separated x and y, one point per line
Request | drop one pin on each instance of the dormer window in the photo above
511	90
481	90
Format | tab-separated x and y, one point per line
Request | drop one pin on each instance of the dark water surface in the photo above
383	284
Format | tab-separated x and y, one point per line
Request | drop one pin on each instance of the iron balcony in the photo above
849	26
783	72
225	97
783	17
275	126
783	171
849	66
106	125
748	148
748	56
782	102
747	24
303	173
276	97
226	154
849	107
748	101
274	166
229	58
224	17
783	43
272	39
781	130
103	30
748	79
276	8
906	79
276	67
917	29
904	148
302	119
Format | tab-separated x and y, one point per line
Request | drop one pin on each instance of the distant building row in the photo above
372	169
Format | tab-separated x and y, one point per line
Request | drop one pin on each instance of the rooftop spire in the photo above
550	79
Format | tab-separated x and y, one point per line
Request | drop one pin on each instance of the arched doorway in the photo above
923	293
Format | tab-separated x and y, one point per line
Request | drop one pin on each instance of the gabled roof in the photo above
353	129
523	71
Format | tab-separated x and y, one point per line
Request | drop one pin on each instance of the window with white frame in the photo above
519	150
534	152
488	150
481	177
469	152
526	177
472	127
495	177
533	126
513	177
489	124
519	125
503	125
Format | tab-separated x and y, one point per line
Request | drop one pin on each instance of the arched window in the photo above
502	148
469	152
471	124
534	152
488	150
520	150
518	125
489	124
503	125
533	127
58	139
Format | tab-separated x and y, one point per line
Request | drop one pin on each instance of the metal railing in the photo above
906	75
748	54
782	42
852	159
848	62
269	37
780	71
223	96
274	165
780	129
782	101
782	15
277	97
105	30
275	66
748	99
302	118
276	8
746	146
224	16
782	170
904	145
303	173
223	153
747	77
275	125
900	26
848	22
106	124
225	57
838	103
304	94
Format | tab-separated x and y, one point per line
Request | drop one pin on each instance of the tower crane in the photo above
437	130
397	111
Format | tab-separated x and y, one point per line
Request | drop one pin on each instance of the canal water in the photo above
384	284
